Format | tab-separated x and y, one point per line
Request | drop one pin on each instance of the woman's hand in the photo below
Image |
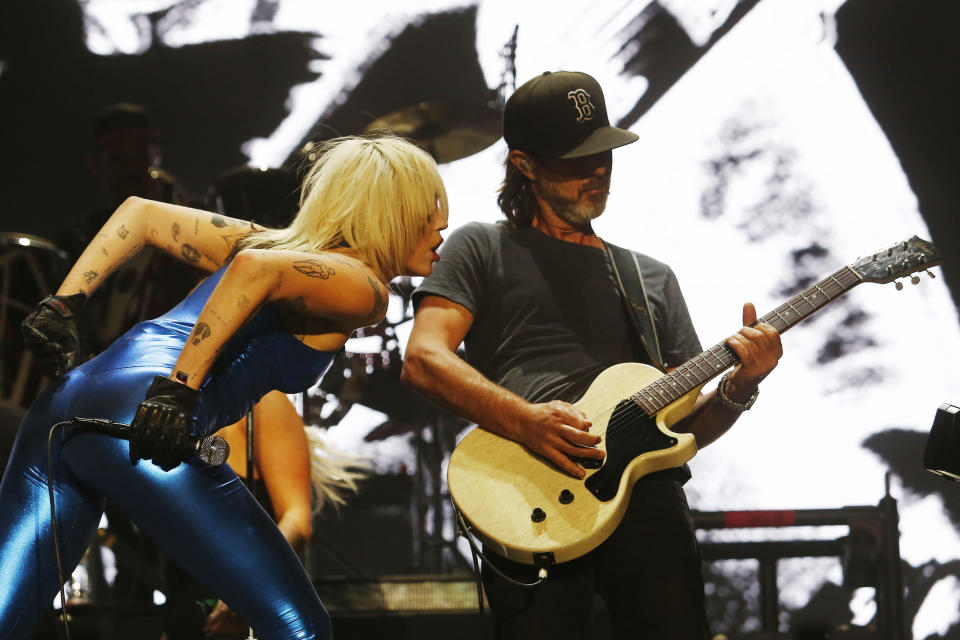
223	620
52	335
161	429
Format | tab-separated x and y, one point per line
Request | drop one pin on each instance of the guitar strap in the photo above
626	270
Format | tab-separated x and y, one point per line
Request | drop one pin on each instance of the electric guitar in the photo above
525	508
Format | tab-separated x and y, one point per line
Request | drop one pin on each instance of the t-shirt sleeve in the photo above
678	338
459	276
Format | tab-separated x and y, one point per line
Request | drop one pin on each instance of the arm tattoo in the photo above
216	316
231	238
379	303
123	232
189	253
314	268
201	332
243	302
196	227
90	276
176	231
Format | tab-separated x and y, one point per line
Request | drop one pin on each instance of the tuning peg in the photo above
898	285
930	273
915	279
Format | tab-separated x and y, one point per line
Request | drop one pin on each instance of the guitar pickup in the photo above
586	463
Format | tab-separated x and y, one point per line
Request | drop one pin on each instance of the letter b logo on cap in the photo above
581	100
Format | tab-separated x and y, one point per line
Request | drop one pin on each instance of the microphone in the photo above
213	450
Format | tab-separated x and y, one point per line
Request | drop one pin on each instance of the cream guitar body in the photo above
521	505
524	508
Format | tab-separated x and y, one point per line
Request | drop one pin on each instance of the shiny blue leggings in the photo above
202	517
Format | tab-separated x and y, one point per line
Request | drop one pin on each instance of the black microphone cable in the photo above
212	450
53	526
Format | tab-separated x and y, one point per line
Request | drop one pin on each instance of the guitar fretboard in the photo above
698	370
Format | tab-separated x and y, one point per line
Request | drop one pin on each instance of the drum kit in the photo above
30	268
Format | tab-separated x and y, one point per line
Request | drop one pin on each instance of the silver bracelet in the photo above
733	404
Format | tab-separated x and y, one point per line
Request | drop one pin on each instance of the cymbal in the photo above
446	131
15	238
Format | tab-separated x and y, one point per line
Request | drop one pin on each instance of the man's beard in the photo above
574	212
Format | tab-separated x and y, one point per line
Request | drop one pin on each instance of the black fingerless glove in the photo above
51	333
161	429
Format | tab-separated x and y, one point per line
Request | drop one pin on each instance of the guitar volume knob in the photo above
538	515
566	496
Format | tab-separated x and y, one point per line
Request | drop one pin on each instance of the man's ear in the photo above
523	162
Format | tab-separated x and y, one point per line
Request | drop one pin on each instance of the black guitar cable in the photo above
463	529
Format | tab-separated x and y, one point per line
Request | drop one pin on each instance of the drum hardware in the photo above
29	267
446	130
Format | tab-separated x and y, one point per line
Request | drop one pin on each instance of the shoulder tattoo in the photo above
314	268
379	302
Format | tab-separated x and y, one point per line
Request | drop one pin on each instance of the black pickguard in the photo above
630	433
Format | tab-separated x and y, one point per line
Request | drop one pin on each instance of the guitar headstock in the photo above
897	261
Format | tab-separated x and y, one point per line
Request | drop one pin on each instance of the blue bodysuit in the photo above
201	516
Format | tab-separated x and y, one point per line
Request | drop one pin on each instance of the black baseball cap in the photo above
561	114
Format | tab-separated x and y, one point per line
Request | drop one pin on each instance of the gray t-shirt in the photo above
548	316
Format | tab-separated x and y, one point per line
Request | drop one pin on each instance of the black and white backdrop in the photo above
779	140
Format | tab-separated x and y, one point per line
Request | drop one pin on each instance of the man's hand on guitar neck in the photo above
759	350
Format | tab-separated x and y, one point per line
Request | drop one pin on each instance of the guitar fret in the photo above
709	352
813	307
667	391
856	279
649	397
825	294
696	364
803	297
794	309
721	364
687	374
638	400
653	386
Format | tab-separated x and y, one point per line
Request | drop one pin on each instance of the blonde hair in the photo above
375	194
333	473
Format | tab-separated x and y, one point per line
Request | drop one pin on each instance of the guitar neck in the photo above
700	369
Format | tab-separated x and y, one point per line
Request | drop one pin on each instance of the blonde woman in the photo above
277	306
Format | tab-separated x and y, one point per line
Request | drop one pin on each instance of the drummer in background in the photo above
126	160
